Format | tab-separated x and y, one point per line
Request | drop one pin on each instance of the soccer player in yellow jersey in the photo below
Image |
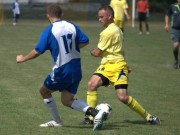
120	8
113	69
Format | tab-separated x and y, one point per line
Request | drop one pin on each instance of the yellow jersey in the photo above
110	42
118	7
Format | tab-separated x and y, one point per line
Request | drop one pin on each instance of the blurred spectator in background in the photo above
16	12
143	12
120	8
174	12
1	14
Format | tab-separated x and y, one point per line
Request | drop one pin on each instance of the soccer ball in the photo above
106	108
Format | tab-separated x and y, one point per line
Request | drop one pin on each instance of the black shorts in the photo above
142	16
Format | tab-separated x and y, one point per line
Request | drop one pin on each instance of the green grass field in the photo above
153	82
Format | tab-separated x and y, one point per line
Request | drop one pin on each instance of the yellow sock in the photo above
92	98
135	106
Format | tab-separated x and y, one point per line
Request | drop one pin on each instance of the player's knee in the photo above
42	92
92	85
45	93
123	99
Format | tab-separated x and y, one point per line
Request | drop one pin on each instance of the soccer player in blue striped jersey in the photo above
16	12
63	40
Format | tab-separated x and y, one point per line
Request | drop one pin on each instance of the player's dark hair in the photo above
54	10
108	8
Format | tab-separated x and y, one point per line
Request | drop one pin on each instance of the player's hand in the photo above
166	28
128	17
129	69
19	58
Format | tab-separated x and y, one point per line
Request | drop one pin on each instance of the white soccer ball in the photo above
106	108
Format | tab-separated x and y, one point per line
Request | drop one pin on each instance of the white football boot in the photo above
52	124
98	120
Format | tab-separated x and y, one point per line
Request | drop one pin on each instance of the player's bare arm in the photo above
22	58
96	52
166	23
127	15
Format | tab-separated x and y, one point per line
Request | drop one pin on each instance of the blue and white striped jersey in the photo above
62	39
15	7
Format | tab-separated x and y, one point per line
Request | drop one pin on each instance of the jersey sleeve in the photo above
169	11
13	6
81	37
43	44
125	5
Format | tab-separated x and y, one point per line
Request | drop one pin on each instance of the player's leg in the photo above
68	100
52	107
45	91
140	28
136	106
94	83
175	36
140	23
122	25
144	19
146	24
121	91
92	96
14	19
176	54
131	102
147	28
98	79
17	18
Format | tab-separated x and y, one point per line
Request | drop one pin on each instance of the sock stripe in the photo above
130	100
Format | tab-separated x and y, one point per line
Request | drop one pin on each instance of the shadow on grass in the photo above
139	122
106	126
113	125
79	126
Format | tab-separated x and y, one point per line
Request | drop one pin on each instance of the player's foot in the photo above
140	33
154	120
147	33
14	24
87	121
98	120
51	124
176	64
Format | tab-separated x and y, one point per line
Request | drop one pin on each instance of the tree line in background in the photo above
160	5
155	5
